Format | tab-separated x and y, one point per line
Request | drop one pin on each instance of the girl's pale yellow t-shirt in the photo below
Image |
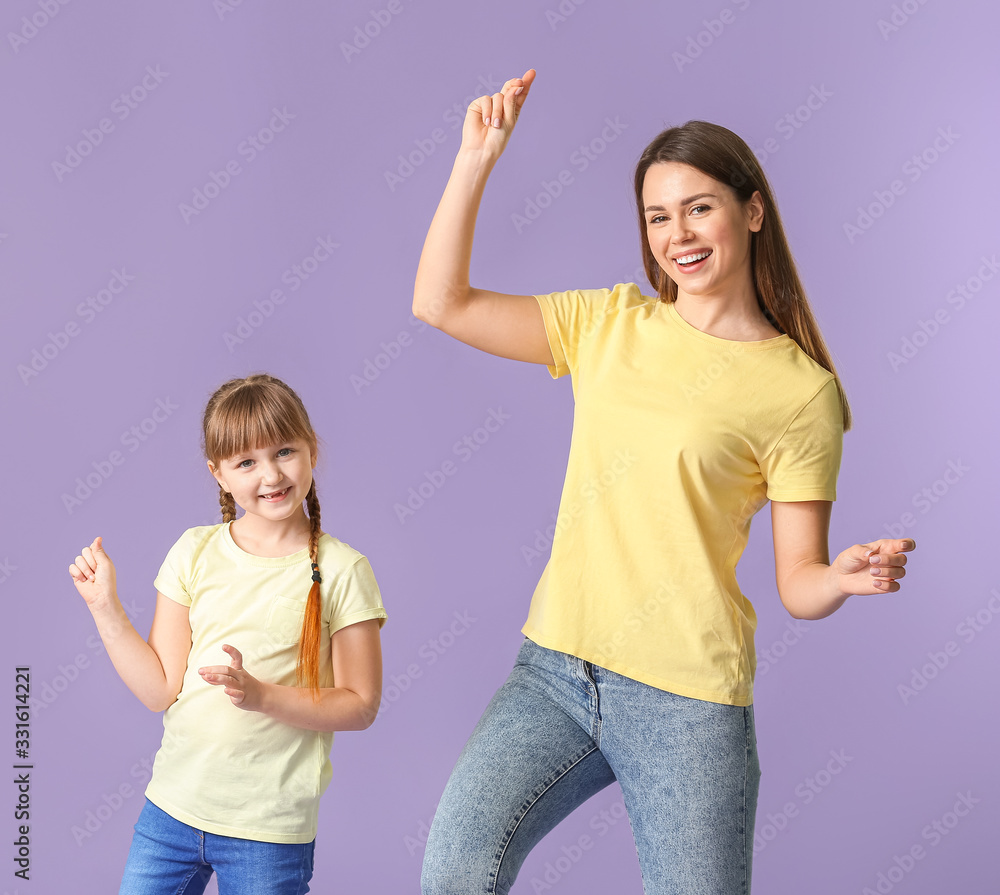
222	769
679	438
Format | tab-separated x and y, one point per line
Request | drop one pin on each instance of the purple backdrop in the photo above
195	191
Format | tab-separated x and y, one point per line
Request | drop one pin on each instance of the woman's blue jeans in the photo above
561	729
171	858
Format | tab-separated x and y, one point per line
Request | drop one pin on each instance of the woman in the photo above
692	411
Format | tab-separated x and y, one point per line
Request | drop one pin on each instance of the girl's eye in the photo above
244	464
285	452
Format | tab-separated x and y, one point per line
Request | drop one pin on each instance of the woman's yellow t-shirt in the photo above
222	769
679	438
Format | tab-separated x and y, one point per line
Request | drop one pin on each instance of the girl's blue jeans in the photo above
561	729
170	858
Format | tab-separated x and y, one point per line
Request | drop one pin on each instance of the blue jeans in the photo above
561	729
170	858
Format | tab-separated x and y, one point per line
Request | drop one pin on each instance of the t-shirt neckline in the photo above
274	562
731	344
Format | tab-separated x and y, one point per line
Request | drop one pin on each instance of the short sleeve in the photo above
805	462
356	597
569	316
173	579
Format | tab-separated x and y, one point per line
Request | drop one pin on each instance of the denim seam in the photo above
747	845
524	814
595	703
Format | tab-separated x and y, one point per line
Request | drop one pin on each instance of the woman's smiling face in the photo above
698	230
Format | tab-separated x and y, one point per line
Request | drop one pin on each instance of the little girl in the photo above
236	782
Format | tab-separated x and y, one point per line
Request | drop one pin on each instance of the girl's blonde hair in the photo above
249	414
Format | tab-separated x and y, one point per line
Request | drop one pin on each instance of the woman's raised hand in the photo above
93	574
489	120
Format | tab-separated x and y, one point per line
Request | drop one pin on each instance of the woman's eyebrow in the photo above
686	201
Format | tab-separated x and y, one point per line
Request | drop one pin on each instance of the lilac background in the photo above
886	97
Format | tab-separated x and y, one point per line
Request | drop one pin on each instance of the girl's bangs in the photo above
249	419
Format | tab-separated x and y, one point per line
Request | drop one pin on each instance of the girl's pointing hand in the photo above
245	691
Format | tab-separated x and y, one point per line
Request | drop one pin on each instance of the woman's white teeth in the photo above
690	259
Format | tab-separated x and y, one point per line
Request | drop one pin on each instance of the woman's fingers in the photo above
496	110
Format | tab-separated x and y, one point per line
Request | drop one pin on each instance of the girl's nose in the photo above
269	474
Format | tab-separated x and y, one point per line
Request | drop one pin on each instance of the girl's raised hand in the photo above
873	568
245	691
93	574
489	120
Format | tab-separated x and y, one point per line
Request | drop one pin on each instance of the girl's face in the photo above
699	231
269	482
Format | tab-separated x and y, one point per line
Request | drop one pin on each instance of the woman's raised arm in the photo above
505	325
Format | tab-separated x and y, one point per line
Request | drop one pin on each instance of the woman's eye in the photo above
696	207
658	219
